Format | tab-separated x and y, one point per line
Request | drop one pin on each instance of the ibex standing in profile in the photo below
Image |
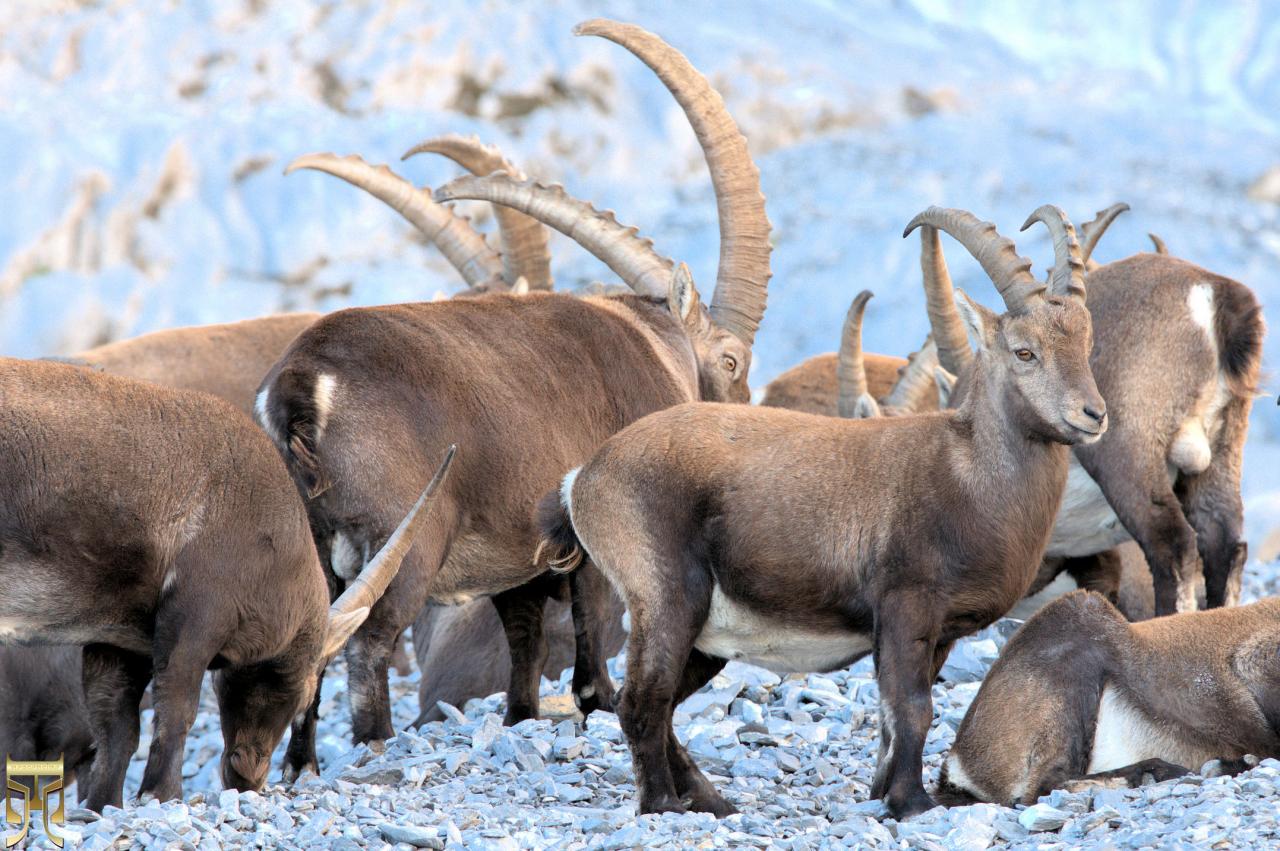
802	543
1079	694
1168	471
158	529
532	385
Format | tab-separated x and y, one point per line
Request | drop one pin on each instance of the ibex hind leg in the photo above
1135	481
114	681
1212	504
664	627
691	784
521	612
369	651
592	602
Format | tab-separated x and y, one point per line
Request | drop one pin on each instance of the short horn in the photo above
913	390
524	239
951	340
352	607
742	279
621	248
997	255
852	397
1158	244
1067	277
462	246
1092	231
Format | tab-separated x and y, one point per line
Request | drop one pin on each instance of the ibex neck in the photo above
1005	449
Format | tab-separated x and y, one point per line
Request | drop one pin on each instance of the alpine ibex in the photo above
362	398
1168	471
802	543
42	711
158	529
1080	694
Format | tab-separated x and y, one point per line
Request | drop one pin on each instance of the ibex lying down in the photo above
1079	693
361	399
159	529
1168	471
802	543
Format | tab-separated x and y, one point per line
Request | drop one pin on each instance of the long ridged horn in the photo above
997	255
479	265
1068	265
951	339
1158	244
1092	231
621	248
352	607
524	239
742	279
852	399
915	380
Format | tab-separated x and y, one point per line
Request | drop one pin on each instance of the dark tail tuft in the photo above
1240	329
558	543
292	421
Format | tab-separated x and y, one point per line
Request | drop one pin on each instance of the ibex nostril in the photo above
1096	412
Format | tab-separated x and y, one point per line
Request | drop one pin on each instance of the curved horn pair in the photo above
352	607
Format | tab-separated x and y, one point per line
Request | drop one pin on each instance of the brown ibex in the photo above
42	711
1168	471
158	529
362	398
1079	694
802	543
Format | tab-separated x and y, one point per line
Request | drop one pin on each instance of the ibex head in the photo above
1035	356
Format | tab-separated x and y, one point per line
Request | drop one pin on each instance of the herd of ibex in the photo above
607	456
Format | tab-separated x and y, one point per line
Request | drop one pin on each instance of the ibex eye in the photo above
1025	355
729	363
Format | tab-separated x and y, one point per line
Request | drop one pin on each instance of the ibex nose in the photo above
1096	411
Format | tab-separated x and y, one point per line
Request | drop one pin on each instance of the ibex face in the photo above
1040	359
256	707
723	359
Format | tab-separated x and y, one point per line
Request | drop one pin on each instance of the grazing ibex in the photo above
364	396
802	543
1168	471
158	529
42	711
1079	694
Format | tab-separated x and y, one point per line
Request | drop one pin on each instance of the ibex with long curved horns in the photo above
531	384
1079	695
1168	472
803	543
165	580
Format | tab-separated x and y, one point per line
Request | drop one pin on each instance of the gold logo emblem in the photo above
33	799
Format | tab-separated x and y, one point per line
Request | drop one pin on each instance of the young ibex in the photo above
158	529
1080	694
1168	471
42	711
362	398
802	543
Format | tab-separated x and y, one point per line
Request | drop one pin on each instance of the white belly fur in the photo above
1124	735
1085	524
733	631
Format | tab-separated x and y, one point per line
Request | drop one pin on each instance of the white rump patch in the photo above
734	631
1200	302
1125	735
325	384
344	558
1086	524
260	409
566	490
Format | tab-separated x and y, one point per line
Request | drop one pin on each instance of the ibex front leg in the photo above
905	645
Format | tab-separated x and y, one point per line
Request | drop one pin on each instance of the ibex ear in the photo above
978	321
682	297
946	383
520	287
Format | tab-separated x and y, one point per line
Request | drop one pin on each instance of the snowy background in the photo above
143	145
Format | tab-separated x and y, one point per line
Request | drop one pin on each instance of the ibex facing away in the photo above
159	530
1079	694
531	385
803	543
